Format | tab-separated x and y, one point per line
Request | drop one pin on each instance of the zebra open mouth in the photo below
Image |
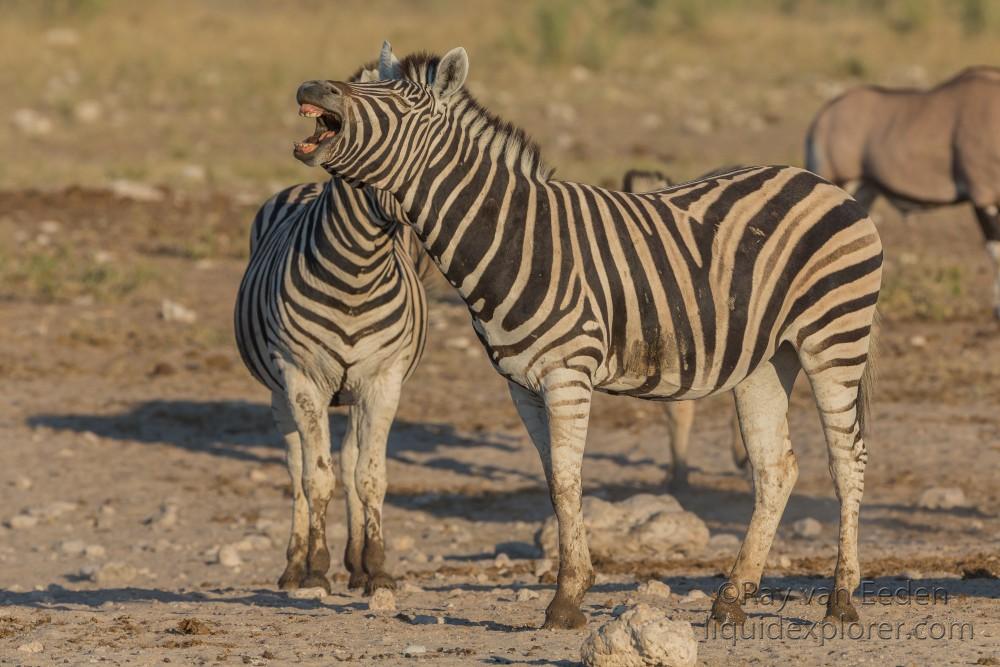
328	124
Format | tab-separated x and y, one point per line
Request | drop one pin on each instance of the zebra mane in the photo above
502	139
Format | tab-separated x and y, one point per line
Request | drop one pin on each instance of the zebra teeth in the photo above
310	111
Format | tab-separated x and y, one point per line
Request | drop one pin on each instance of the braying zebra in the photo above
680	414
731	282
331	311
918	148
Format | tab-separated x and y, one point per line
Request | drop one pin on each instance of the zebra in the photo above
738	281
918	149
331	311
680	414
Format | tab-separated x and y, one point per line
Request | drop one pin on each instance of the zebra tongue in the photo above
326	135
305	146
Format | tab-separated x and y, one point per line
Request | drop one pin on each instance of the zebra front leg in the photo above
989	221
376	408
680	416
296	554
308	407
558	427
354	550
762	407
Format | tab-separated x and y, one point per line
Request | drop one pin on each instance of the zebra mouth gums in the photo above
328	124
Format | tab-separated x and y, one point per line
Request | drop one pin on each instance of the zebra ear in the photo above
388	63
451	72
369	75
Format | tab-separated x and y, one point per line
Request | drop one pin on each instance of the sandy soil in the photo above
138	447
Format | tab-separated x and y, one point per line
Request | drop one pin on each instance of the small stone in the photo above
693	596
171	311
413	650
22	521
382	601
23	483
254	543
542	566
402	543
807	528
502	560
314	593
136	191
418	557
258	476
88	111
457	343
723	542
525	594
918	341
655	588
194	172
62	37
166	517
943	498
72	547
31	123
229	556
94	551
438	558
111	573
31	647
410	587
784	562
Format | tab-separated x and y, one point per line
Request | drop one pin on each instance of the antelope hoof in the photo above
563	615
379	580
840	610
316	581
727	612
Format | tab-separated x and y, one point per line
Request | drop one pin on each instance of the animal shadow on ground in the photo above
245	431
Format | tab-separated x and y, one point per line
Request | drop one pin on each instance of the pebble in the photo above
807	528
918	341
542	566
655	588
166	517
259	476
22	521
314	593
94	551
88	111
502	560
72	547
229	556
31	123
136	191
943	498
31	647
694	596
254	543
111	573
382	600
62	37
171	311
414	649
723	542
525	594
402	543
784	561
418	557
410	587
22	482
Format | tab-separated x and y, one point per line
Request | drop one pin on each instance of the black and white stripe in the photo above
736	281
331	311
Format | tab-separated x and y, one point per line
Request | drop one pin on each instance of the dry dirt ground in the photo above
134	448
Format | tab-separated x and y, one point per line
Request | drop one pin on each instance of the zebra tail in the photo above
867	385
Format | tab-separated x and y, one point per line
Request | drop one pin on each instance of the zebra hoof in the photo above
727	612
316	581
563	615
357	580
291	578
377	581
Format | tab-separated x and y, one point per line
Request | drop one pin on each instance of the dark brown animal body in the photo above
918	148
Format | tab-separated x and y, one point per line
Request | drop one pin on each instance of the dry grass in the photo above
200	95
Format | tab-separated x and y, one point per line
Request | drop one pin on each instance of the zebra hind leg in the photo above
680	416
354	550
762	409
558	428
296	554
375	410
308	407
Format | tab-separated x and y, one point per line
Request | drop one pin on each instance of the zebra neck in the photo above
347	230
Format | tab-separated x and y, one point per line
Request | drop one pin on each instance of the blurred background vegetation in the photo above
200	95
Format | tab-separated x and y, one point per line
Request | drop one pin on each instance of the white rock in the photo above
640	637
31	123
694	596
135	191
642	527
410	587
22	521
525	594
31	647
72	547
382	601
784	561
165	517
88	111
314	593
194	172
918	341
23	483
543	566
111	573
654	587
402	543
62	37
53	510
171	311
502	560
943	498
94	551
258	476
457	343
723	542
229	556
414	649
254	543
807	528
